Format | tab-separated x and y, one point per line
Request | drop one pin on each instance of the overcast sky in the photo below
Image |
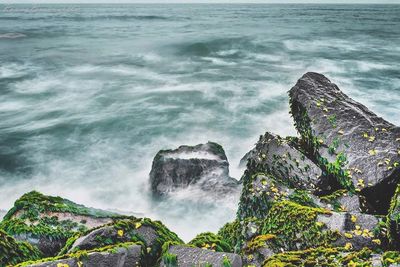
205	1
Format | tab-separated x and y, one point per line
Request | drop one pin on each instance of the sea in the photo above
89	93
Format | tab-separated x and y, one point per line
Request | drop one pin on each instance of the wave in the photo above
12	35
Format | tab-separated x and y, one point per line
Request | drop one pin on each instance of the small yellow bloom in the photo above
62	265
341	132
137	225
348	246
348	235
353	218
365	135
372	152
120	232
357	232
371	138
376	241
148	249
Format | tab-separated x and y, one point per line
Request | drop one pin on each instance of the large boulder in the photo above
13	252
47	221
185	256
121	255
284	159
204	165
349	142
151	235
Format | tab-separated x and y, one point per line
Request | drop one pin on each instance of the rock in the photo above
203	165
13	252
341	200
151	235
47	222
261	191
283	159
185	256
347	140
257	250
122	255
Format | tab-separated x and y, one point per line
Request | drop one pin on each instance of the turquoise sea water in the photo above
90	93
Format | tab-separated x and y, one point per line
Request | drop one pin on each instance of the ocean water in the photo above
90	93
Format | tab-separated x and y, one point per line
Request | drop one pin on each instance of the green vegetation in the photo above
212	242
231	233
393	220
170	260
13	252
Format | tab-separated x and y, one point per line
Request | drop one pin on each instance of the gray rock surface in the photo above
119	257
348	140
283	159
203	165
189	257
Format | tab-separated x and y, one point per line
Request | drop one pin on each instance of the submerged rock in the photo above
351	143
204	165
185	256
13	252
121	255
47	222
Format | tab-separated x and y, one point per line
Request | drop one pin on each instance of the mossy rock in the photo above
122	254
342	201
326	257
261	191
211	241
258	249
13	252
152	235
285	159
348	141
47	221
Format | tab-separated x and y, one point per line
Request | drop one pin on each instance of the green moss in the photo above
257	242
13	252
296	226
212	242
390	257
170	260
226	262
80	255
327	257
393	220
231	233
333	199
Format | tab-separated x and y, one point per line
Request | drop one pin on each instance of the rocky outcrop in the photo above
47	222
13	252
185	256
204	165
284	159
122	255
349	142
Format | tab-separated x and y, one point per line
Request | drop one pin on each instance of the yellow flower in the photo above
353	218
80	264
348	235
376	241
371	138
372	152
365	135
320	141
148	249
357	232
341	132
137	225
120	232
62	265
348	246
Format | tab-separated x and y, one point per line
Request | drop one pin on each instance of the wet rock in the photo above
204	165
47	222
151	235
261	192
348	141
126	255
185	256
283	159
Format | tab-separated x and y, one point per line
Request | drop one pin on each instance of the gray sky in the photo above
206	1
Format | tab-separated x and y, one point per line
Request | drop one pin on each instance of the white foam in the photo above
193	155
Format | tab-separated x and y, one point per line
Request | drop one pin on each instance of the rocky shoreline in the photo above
328	197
